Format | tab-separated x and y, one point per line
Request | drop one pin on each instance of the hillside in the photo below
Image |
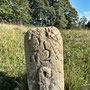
12	59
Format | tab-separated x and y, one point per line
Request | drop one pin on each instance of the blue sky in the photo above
82	7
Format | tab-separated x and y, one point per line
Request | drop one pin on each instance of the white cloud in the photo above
87	12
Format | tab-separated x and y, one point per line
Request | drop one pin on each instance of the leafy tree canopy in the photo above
57	13
14	10
53	12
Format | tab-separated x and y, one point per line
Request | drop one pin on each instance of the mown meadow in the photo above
12	59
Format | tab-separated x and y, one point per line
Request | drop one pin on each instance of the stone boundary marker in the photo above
44	59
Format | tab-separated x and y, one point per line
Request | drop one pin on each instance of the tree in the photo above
82	22
40	12
52	12
21	11
60	20
71	15
47	12
15	11
5	9
57	13
88	24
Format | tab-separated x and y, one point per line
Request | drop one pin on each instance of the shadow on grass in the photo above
12	83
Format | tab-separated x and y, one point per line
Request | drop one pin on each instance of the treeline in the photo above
83	23
57	13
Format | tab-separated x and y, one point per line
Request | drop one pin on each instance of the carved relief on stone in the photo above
44	59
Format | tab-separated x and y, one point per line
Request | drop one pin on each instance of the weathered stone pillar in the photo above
44	59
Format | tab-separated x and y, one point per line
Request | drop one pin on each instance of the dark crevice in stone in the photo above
45	73
35	57
46	34
39	40
30	59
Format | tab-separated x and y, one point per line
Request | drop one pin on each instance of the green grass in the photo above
77	59
12	58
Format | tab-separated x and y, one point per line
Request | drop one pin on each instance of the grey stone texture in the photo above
44	59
